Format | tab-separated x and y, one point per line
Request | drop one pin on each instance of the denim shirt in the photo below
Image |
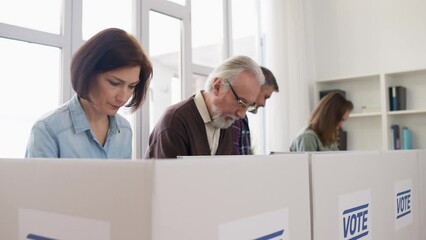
66	133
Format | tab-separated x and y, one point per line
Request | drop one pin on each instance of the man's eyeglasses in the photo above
240	102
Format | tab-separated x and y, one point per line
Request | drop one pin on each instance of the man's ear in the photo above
217	85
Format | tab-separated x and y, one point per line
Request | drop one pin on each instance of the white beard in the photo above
224	121
221	121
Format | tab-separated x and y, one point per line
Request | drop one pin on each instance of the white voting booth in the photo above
343	184
252	197
74	199
232	198
402	215
422	174
365	195
340	195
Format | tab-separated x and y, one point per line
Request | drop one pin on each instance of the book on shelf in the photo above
397	98
406	138
396	137
342	137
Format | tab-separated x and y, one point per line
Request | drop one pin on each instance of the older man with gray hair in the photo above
200	125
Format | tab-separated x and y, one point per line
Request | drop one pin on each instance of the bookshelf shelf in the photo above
372	130
407	112
361	115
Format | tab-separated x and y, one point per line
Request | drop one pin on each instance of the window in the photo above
165	51
30	88
100	14
245	28
39	15
199	81
207	32
36	63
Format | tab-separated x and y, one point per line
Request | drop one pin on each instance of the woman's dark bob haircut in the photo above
108	50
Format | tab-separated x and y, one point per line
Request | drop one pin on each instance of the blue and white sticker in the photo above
403	203
355	216
41	225
266	226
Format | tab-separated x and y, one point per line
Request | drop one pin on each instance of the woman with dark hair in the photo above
109	71
322	132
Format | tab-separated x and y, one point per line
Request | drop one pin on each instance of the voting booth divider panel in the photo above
329	195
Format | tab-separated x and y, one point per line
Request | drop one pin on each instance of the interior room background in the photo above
301	41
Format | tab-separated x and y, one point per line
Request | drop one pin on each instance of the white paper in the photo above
355	215
403	204
266	226
35	225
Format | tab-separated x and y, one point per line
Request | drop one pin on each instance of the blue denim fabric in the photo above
66	133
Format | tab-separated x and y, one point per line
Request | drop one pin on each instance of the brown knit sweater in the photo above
181	132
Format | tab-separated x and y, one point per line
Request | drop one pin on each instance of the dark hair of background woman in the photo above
327	115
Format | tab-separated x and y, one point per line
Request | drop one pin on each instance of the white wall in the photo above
356	37
307	40
287	55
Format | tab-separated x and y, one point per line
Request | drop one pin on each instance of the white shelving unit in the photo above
369	126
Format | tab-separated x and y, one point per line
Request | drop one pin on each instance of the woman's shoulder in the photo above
306	132
306	140
55	121
59	114
309	132
308	135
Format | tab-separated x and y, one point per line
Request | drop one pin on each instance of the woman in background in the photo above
326	119
108	70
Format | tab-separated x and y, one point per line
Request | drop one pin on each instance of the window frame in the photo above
70	39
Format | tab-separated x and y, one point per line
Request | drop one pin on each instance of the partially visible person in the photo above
327	118
200	125
240	128
108	71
